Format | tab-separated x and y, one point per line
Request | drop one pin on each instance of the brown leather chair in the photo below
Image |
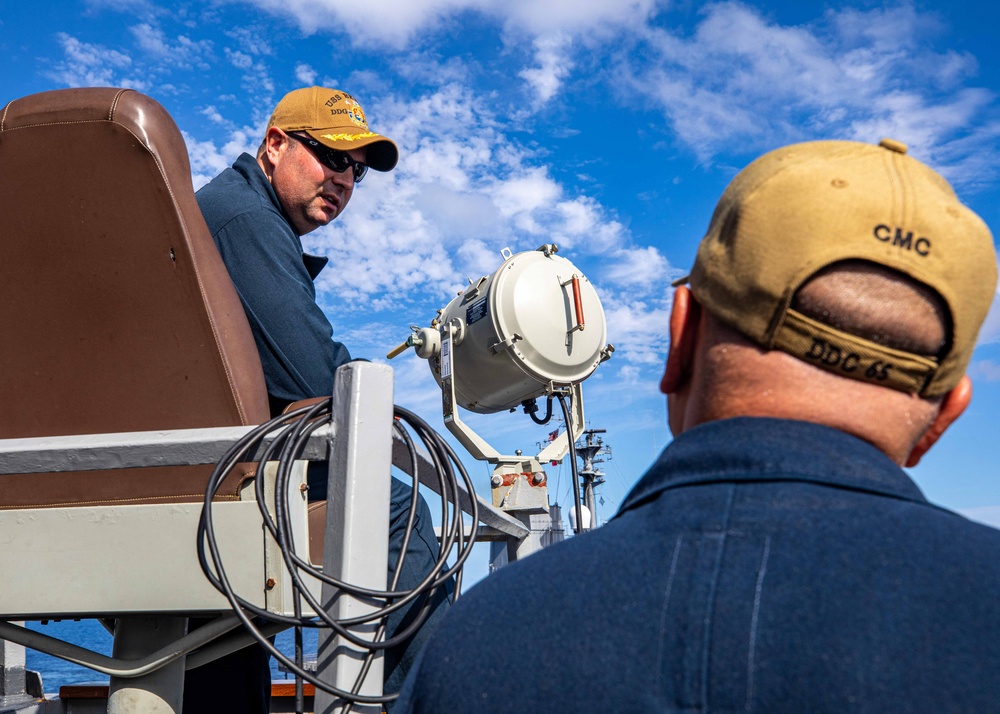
116	311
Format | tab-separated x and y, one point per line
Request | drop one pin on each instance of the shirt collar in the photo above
764	449
314	264
249	168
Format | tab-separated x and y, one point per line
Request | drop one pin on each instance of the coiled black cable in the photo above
289	434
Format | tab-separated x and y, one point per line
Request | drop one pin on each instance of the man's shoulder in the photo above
234	196
551	603
951	531
553	572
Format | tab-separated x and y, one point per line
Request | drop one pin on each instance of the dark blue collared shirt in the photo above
274	279
760	565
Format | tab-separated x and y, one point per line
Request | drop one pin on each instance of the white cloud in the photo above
431	68
251	40
89	65
256	79
213	115
554	27
395	23
183	52
520	198
939	133
209	160
554	65
142	8
238	59
305	74
638	329
597	17
464	191
743	80
638	266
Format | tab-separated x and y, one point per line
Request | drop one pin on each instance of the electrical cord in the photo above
577	504
289	434
531	406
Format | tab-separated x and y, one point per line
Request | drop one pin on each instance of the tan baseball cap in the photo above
334	118
803	207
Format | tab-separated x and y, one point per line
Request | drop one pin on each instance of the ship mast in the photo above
592	447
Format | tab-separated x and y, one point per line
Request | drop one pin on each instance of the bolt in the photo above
496	480
538	479
303	487
271	582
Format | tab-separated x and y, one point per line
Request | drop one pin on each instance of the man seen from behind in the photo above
776	557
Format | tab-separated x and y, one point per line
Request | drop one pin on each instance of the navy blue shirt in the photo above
274	279
760	565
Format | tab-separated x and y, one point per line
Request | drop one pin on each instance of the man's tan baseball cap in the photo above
803	207
334	118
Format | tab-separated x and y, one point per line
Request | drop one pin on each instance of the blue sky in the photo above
609	127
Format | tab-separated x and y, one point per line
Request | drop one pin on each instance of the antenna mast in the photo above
592	447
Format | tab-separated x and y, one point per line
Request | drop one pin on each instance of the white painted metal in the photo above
137	560
195	446
91	452
539	524
280	594
122	559
160	691
12	676
357	521
507	551
519	331
488	516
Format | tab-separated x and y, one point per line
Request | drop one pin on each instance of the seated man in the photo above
315	151
775	558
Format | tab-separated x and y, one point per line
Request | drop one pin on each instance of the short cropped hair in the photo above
878	304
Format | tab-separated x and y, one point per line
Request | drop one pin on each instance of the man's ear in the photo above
274	141
952	407
683	330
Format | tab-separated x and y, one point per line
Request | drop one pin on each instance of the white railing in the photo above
138	563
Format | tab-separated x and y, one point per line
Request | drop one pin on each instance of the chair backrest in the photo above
116	311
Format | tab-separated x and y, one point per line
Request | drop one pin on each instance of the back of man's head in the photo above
848	268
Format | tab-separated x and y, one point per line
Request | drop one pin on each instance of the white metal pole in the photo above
162	690
12	664
356	544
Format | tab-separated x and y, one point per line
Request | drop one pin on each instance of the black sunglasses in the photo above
334	160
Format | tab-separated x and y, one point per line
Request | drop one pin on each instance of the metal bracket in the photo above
505	345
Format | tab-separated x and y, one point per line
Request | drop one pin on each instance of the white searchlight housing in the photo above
533	328
535	322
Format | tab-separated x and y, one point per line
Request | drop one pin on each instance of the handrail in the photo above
190	447
96	452
117	666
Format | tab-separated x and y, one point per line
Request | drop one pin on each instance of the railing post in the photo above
12	682
160	691
357	522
